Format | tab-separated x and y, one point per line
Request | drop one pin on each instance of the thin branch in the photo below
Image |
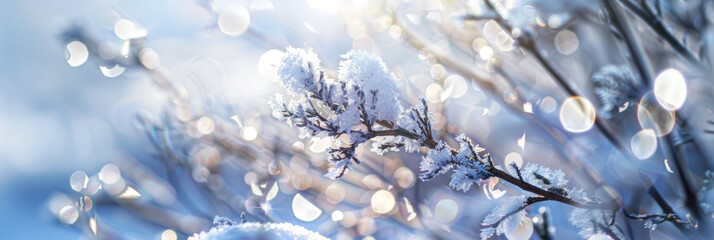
508	178
527	43
628	37
660	200
518	171
657	26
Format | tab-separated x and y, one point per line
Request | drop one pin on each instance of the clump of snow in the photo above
299	71
362	101
363	98
371	85
229	230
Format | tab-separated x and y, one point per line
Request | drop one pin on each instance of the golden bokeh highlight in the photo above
382	202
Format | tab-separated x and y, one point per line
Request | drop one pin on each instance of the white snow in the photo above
229	230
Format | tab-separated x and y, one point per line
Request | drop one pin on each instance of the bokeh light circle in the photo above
644	143
577	114
652	115
234	20
670	89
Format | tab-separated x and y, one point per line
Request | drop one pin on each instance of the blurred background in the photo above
62	117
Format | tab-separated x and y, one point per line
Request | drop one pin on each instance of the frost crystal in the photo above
471	165
592	221
223	221
578	195
468	165
543	177
436	162
381	145
614	86
229	229
505	218
650	225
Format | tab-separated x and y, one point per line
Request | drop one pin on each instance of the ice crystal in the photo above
578	195
382	145
505	218
487	232
650	225
468	165
543	177
436	162
592	221
224	221
411	120
471	166
340	166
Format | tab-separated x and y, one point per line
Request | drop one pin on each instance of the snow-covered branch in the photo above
348	106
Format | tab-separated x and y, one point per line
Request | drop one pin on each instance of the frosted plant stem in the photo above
679	158
529	201
658	27
639	61
629	39
598	123
419	42
660	201
548	195
530	46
